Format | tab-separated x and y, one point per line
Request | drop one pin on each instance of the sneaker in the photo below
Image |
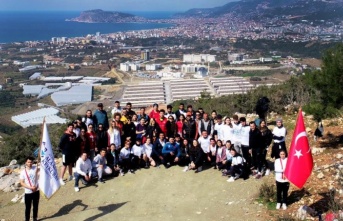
146	166
121	172
267	172
278	205
62	182
231	179
70	178
83	181
237	177
284	206
101	181
199	169
185	169
131	171
76	189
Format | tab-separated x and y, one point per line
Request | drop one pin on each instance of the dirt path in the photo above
154	194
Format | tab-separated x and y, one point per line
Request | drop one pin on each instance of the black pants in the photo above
264	160
127	164
236	169
282	192
246	155
184	161
31	198
277	147
257	157
168	158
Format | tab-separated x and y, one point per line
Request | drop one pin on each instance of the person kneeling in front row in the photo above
236	169
100	166
83	171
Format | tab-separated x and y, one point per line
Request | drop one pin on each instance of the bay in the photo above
17	26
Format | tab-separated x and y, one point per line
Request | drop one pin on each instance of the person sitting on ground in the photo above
221	155
147	149
282	184
157	149
196	157
100	166
171	153
111	158
184	157
83	171
125	159
236	170
228	161
138	151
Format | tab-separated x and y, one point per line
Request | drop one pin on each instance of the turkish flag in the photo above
300	162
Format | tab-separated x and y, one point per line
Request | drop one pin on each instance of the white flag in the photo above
48	178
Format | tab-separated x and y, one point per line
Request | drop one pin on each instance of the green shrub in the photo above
267	192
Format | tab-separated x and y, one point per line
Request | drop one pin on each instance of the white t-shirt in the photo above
236	160
124	153
137	150
227	133
147	148
205	144
236	133
31	174
245	133
219	129
116	110
228	154
279	168
279	132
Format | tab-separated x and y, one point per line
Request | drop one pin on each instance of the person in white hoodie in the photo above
279	136
83	171
282	184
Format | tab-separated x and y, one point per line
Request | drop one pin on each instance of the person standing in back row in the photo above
100	117
29	180
279	135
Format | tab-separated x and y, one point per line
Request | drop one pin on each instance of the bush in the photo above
267	192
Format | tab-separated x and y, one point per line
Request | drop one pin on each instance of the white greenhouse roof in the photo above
36	117
32	89
75	95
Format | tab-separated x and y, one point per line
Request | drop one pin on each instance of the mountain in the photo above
100	16
257	9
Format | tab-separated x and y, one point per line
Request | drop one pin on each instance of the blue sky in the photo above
109	5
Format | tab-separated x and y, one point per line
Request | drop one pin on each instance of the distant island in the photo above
100	16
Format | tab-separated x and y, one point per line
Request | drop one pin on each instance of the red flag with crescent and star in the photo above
300	162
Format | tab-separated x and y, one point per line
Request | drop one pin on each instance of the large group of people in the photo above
190	138
98	145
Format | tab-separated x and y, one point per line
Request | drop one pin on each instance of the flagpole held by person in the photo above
48	179
300	161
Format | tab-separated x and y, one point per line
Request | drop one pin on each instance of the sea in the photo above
18	26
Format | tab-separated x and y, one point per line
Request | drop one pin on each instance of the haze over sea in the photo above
43	25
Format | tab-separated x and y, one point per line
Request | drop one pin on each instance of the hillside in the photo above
100	16
257	9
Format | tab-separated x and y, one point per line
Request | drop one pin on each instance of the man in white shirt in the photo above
29	180
236	133
244	140
100	166
116	108
218	128
83	171
204	141
170	112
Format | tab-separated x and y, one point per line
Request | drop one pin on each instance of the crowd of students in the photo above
193	139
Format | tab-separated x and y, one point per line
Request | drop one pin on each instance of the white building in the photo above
125	67
134	67
235	57
153	67
191	68
198	58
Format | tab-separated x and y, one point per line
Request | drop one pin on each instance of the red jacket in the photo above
162	123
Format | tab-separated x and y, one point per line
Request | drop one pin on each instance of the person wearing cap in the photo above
171	153
180	111
155	113
189	128
100	117
279	135
170	112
